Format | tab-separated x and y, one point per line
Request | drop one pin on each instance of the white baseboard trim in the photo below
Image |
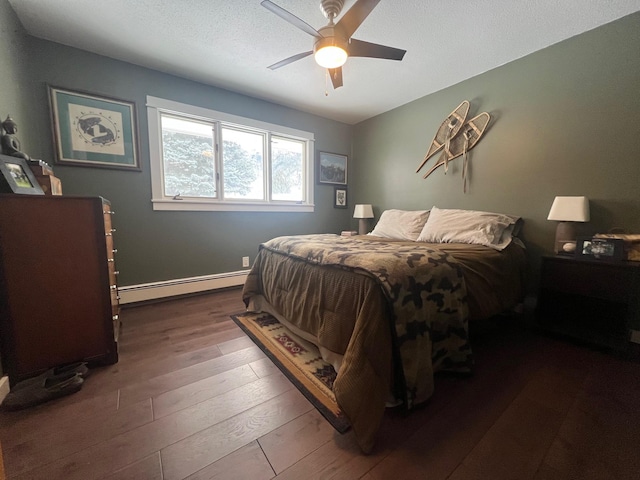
4	388
180	286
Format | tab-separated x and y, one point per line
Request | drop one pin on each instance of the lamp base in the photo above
565	233
362	226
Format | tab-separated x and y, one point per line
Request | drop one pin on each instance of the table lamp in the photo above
568	211
363	212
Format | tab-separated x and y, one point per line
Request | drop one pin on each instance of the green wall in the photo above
14	59
565	121
163	245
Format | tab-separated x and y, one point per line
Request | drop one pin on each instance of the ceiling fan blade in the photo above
351	20
336	77
291	18
289	60
358	48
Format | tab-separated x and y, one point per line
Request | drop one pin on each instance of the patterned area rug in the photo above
299	360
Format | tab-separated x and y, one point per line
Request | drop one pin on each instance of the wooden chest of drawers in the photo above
58	283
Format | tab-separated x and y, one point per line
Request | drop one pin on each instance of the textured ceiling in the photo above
230	43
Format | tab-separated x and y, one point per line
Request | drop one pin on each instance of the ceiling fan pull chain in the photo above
326	83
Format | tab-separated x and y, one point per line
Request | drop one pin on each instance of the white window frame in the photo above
156	106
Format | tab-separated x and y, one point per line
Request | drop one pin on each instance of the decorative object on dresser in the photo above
17	177
9	142
94	131
363	213
50	184
568	211
57	283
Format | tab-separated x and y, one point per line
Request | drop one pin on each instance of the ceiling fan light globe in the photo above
331	56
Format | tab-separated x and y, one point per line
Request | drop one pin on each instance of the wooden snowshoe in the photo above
459	145
447	131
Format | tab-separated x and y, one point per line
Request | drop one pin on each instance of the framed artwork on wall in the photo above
93	131
332	168
340	198
17	177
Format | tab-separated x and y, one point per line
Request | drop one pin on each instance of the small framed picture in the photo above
332	168
17	177
340	198
94	131
605	249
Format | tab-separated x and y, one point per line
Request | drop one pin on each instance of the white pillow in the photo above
468	226
401	224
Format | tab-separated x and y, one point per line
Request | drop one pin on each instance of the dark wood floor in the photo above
193	398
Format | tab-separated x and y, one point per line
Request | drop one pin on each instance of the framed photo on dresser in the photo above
17	177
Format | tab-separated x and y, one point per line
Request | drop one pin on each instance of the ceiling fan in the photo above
333	43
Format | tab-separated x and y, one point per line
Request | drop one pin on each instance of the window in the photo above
188	157
207	160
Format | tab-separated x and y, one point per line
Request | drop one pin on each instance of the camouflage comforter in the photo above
421	314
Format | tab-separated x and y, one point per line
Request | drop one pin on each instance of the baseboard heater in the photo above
181	286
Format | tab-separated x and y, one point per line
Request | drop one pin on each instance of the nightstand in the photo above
592	301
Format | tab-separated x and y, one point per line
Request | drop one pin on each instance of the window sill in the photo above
203	206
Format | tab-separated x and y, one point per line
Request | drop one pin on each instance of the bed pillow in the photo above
401	224
493	230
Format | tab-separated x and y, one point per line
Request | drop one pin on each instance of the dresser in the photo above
58	283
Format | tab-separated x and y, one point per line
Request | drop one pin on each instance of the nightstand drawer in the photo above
606	281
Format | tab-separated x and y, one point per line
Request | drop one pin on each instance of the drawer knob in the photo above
111	259
113	287
115	318
116	272
115	250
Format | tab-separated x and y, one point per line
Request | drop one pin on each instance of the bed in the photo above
391	308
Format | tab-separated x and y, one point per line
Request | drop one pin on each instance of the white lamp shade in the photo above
363	211
569	209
